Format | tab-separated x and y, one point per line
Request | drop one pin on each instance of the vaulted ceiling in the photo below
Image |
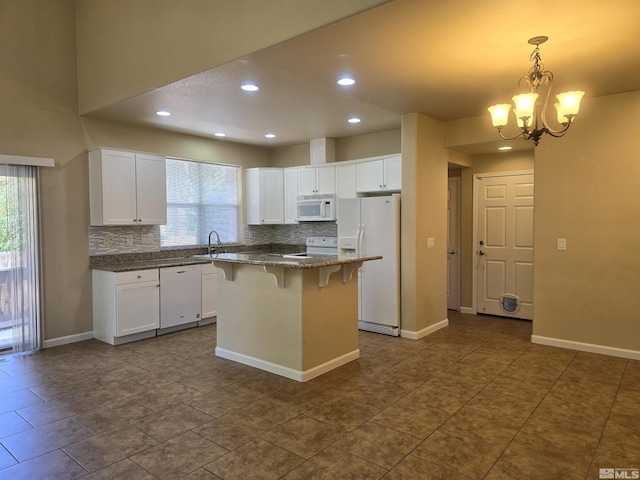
447	59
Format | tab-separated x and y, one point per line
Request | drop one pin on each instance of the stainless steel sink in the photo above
204	256
297	255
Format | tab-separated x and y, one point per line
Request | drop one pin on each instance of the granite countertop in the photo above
277	260
257	258
148	264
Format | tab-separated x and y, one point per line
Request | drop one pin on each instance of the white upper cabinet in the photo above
384	174
393	173
346	181
290	194
265	196
126	188
151	189
315	180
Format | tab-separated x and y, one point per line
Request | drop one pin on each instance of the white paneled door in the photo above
453	256
504	249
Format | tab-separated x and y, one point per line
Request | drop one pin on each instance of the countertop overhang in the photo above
277	260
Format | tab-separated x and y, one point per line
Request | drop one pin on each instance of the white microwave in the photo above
316	208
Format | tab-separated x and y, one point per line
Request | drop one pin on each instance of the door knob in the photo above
480	252
452	252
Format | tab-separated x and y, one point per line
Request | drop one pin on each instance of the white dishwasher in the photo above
180	295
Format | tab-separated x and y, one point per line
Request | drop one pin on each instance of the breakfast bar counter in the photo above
295	317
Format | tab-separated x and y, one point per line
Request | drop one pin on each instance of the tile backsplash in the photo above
294	234
129	239
143	239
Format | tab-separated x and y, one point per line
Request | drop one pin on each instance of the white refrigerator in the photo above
371	226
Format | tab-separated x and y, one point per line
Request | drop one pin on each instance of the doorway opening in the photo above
19	259
503	243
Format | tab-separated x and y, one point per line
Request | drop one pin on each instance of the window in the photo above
200	197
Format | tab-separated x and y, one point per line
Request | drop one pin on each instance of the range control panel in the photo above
327	242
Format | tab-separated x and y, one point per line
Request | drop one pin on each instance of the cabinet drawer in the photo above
137	276
208	268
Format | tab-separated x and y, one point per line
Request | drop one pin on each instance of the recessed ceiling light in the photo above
250	87
270	135
354	120
163	113
220	134
504	148
346	81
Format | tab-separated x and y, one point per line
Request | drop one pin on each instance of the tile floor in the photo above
474	400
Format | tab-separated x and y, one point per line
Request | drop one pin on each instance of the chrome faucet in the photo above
218	242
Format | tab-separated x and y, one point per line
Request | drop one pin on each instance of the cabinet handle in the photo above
139	276
181	271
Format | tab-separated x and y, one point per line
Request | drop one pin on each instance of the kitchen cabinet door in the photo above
307	181
393	173
209	290
346	181
290	194
265	196
151	190
369	176
326	179
112	187
138	308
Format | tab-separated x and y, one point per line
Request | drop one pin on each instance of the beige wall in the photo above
347	148
587	191
39	118
498	162
371	145
424	215
291	156
127	48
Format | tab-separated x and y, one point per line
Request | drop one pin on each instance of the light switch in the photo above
431	242
562	244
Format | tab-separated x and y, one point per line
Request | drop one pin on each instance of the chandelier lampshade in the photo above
530	107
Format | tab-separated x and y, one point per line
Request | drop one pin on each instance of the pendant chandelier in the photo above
530	110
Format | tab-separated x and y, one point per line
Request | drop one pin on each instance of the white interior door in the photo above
504	249
453	256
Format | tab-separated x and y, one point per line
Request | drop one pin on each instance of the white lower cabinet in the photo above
209	291
126	305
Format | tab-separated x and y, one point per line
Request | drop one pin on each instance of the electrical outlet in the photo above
431	242
562	244
106	240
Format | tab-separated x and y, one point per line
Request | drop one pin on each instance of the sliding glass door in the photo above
19	259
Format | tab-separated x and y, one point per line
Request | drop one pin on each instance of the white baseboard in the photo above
467	310
586	347
78	337
425	331
300	376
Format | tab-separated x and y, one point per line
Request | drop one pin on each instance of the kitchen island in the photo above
293	317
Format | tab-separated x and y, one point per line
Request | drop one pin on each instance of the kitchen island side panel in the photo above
258	319
329	318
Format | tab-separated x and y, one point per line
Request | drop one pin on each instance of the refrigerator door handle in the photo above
361	245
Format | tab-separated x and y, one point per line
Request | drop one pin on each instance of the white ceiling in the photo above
447	59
